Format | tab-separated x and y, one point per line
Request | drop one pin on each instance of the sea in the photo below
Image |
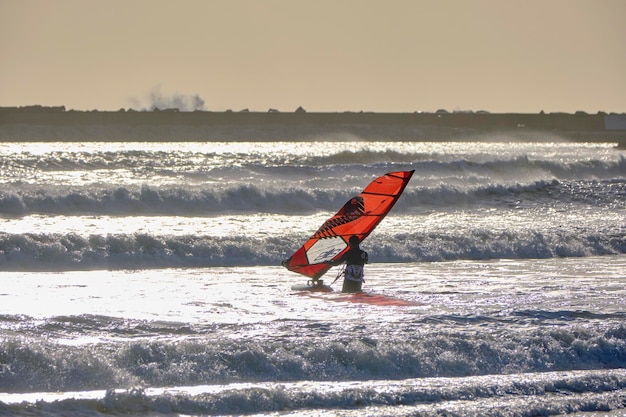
145	279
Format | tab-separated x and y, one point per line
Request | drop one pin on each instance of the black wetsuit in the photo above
354	258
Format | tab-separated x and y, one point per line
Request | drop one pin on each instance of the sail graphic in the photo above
358	217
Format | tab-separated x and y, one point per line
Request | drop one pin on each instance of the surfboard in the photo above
317	286
359	216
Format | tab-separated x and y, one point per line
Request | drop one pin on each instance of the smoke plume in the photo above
156	99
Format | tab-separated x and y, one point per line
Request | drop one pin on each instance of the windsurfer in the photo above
355	258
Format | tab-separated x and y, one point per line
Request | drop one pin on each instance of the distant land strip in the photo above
40	123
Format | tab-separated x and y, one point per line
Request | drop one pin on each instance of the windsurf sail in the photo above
358	217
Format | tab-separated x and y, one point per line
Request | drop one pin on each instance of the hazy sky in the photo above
323	55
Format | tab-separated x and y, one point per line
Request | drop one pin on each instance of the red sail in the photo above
358	217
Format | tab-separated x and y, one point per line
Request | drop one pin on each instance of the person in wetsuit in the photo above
355	258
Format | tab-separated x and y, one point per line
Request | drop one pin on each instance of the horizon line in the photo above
299	110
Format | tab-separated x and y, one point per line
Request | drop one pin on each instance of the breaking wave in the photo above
207	201
37	365
259	160
59	252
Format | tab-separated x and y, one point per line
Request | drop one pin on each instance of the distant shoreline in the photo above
38	123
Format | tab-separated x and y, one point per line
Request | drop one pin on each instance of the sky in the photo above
324	55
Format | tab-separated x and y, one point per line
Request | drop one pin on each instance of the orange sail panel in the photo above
358	217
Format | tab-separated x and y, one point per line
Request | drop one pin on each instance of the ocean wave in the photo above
60	252
161	200
56	252
541	394
36	364
209	200
481	244
358	156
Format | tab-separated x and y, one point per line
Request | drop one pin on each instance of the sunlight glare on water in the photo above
157	265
